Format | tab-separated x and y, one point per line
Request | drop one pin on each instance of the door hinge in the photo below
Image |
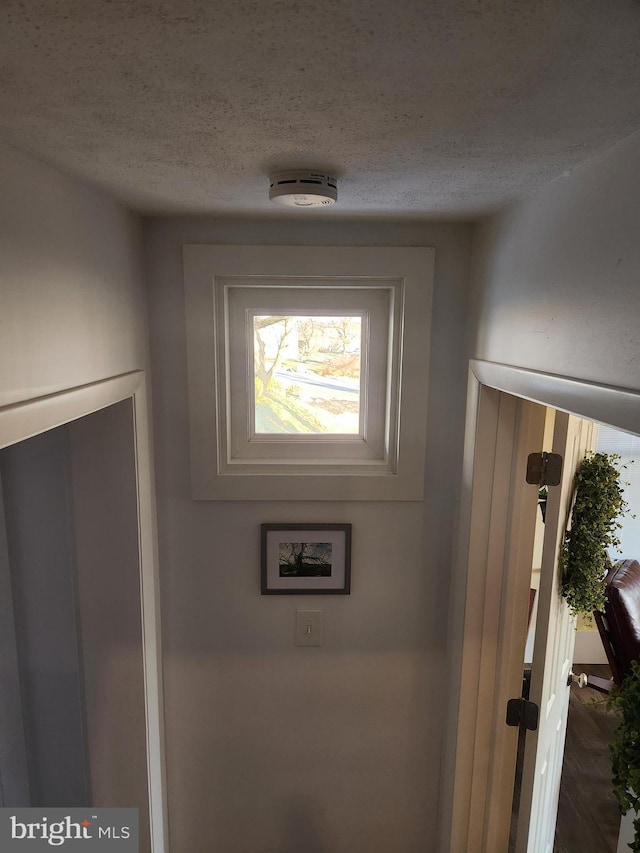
544	469
521	712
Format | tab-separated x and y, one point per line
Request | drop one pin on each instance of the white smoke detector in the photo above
302	188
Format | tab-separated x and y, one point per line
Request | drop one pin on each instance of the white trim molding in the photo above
379	307
224	287
606	404
19	421
28	418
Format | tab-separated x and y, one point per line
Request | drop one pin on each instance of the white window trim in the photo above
236	301
399	474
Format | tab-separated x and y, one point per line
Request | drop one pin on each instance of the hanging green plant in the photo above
625	749
584	561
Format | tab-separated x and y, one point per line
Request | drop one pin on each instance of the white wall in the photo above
556	277
273	747
72	304
40	536
627	448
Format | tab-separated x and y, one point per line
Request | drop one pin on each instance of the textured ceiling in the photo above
422	108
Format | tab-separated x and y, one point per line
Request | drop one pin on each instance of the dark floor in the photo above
588	816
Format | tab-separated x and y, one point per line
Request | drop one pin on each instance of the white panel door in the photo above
552	657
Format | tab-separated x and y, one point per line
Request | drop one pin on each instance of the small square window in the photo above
305	375
278	405
306	372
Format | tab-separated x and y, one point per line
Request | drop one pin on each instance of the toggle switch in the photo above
308	627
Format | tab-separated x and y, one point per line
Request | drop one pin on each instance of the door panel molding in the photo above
553	652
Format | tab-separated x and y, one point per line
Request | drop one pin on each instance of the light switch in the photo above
308	627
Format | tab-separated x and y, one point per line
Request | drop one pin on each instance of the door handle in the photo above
580	680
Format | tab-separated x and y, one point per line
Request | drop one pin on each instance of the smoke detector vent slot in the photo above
303	188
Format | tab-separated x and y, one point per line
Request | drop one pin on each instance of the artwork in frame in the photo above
306	559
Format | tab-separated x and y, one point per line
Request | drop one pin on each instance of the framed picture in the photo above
306	559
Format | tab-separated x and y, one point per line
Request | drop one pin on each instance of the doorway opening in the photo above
505	424
81	717
73	727
588	813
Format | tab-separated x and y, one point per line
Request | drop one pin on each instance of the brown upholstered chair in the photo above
619	625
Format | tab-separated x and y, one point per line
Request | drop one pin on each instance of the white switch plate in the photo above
308	627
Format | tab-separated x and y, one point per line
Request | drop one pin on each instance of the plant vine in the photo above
625	749
584	560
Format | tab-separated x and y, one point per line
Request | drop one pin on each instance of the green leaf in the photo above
583	560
